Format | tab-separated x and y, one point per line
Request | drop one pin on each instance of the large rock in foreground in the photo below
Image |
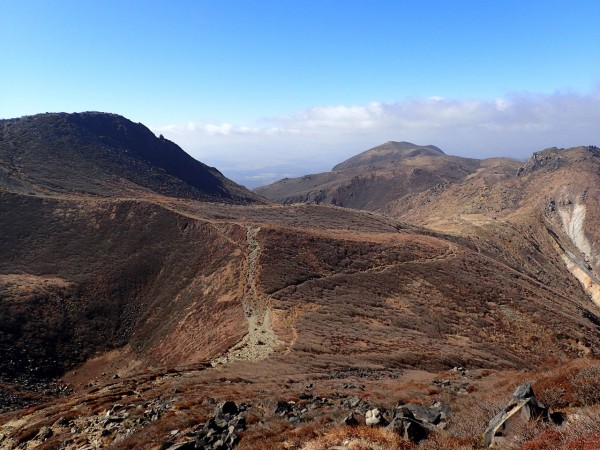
522	407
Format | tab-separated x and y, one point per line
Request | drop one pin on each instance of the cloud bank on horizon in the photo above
314	139
264	90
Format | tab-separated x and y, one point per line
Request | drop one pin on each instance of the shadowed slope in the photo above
103	154
80	277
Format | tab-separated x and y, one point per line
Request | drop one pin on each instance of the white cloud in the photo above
515	112
210	129
316	138
223	129
339	117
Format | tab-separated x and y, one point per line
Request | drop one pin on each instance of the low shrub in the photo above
546	440
585	386
582	425
360	438
552	397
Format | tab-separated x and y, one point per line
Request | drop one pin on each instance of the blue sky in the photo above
266	89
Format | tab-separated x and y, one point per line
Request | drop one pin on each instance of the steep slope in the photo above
94	257
106	155
498	214
375	177
79	277
108	275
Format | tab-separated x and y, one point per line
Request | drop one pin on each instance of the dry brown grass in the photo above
553	397
571	384
585	424
278	433
150	437
383	297
442	440
546	440
582	432
359	438
554	388
589	442
470	418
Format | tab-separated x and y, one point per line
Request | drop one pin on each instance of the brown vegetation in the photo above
129	293
359	438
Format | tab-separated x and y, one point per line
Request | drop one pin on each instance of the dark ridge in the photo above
104	154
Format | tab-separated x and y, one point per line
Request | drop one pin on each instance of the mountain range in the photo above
134	275
380	175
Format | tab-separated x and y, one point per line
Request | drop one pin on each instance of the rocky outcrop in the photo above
408	426
553	159
220	432
523	406
411	422
434	414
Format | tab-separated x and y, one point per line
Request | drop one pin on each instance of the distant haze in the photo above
315	139
269	89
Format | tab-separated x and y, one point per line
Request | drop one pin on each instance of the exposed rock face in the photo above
351	420
411	422
553	159
523	406
584	265
434	414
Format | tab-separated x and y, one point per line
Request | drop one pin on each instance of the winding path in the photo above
260	340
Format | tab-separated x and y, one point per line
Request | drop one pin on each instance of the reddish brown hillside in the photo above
150	305
550	205
371	187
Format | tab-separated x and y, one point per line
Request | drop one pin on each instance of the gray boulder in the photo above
523	406
425	414
351	420
405	424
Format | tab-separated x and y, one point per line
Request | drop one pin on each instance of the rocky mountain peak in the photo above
553	158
